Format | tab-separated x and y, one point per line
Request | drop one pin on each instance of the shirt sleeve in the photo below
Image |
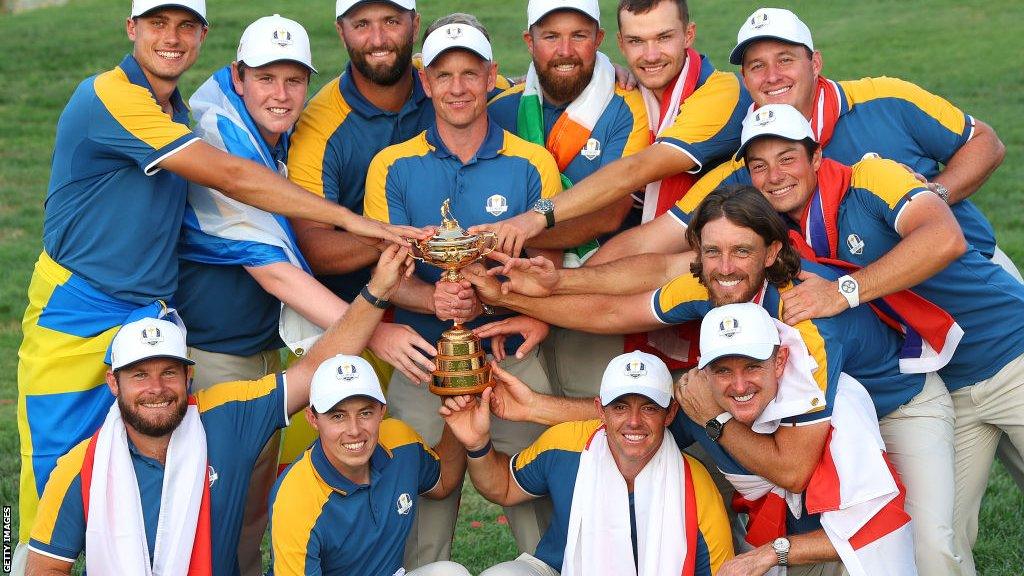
313	154
884	189
712	521
707	128
59	528
295	552
547	182
251	409
727	173
632	133
430	467
681	300
126	122
385	191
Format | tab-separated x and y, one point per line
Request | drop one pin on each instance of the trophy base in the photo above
461	364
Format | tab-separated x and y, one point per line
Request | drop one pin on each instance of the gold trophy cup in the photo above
461	364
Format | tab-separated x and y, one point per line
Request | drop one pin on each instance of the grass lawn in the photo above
967	51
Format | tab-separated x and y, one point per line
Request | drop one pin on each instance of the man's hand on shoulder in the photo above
814	297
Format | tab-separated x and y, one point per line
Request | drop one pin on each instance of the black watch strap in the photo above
373	300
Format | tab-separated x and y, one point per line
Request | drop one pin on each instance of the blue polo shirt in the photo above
549	467
982	297
686	432
855	342
891	118
239	418
407	184
111	215
323	523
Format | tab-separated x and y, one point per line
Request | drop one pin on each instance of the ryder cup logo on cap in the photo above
737	330
636	373
274	39
781	120
340	378
454	36
771	24
343	6
197	7
146	339
538	9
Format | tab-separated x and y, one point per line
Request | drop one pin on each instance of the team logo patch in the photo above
592	149
212	474
496	205
855	244
347	372
635	369
759	20
151	335
404	504
281	37
814	401
763	117
728	327
454	32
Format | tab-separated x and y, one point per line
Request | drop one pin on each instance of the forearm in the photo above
550	410
415	295
40	565
583	229
453	463
332	251
492	478
595	313
787	458
972	164
663	235
629	275
811	548
300	291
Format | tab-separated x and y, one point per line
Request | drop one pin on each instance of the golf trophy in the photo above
461	364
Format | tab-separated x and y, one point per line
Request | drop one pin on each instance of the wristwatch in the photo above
373	300
849	289
781	547
715	426
941	190
547	208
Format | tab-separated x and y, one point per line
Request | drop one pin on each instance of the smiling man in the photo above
626	501
122	153
347	505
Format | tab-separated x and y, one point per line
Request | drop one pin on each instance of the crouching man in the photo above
626	502
347	505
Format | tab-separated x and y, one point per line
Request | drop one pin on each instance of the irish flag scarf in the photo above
931	334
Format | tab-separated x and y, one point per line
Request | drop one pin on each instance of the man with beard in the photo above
152	491
571	105
743	255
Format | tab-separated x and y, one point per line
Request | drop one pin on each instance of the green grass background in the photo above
968	51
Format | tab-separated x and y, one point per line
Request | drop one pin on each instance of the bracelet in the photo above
481	452
373	300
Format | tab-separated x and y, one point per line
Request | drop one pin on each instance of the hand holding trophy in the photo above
461	364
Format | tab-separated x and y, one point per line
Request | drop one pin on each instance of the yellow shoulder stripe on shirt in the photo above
711	518
867	89
539	158
394	434
296	508
640	133
308	144
69	466
238	391
682	289
135	109
885	179
375	197
707	110
568	436
815	347
516	89
707	184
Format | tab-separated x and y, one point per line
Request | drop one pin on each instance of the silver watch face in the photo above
543	206
848	287
781	545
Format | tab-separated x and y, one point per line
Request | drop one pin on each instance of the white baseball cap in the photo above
343	6
780	120
772	23
637	373
145	339
272	39
452	36
538	9
340	378
737	330
197	7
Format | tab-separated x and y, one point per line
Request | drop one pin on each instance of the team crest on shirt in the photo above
496	205
592	149
635	369
212	474
763	117
151	335
759	19
404	504
347	372
855	244
728	327
282	37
